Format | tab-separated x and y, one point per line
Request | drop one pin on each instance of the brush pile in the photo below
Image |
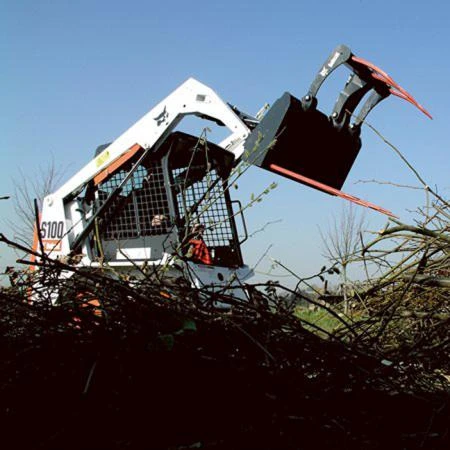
154	363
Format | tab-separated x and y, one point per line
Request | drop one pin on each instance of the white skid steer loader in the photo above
160	198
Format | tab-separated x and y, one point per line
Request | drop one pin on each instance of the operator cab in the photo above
181	184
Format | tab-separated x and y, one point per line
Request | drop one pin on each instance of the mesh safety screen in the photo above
141	209
210	206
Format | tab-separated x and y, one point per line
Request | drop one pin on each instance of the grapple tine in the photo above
330	190
394	87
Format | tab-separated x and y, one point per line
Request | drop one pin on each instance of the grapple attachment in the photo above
296	140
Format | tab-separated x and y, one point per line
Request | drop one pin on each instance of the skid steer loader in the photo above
159	197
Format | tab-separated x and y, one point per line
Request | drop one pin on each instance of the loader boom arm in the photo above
190	98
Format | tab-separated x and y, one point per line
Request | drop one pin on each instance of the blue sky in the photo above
77	74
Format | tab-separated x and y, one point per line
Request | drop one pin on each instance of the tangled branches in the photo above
95	360
404	312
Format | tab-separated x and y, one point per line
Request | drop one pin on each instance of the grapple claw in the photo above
298	141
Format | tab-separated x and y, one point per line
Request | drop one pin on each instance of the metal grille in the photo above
137	211
212	210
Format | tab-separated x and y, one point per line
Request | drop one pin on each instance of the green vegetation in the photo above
321	318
